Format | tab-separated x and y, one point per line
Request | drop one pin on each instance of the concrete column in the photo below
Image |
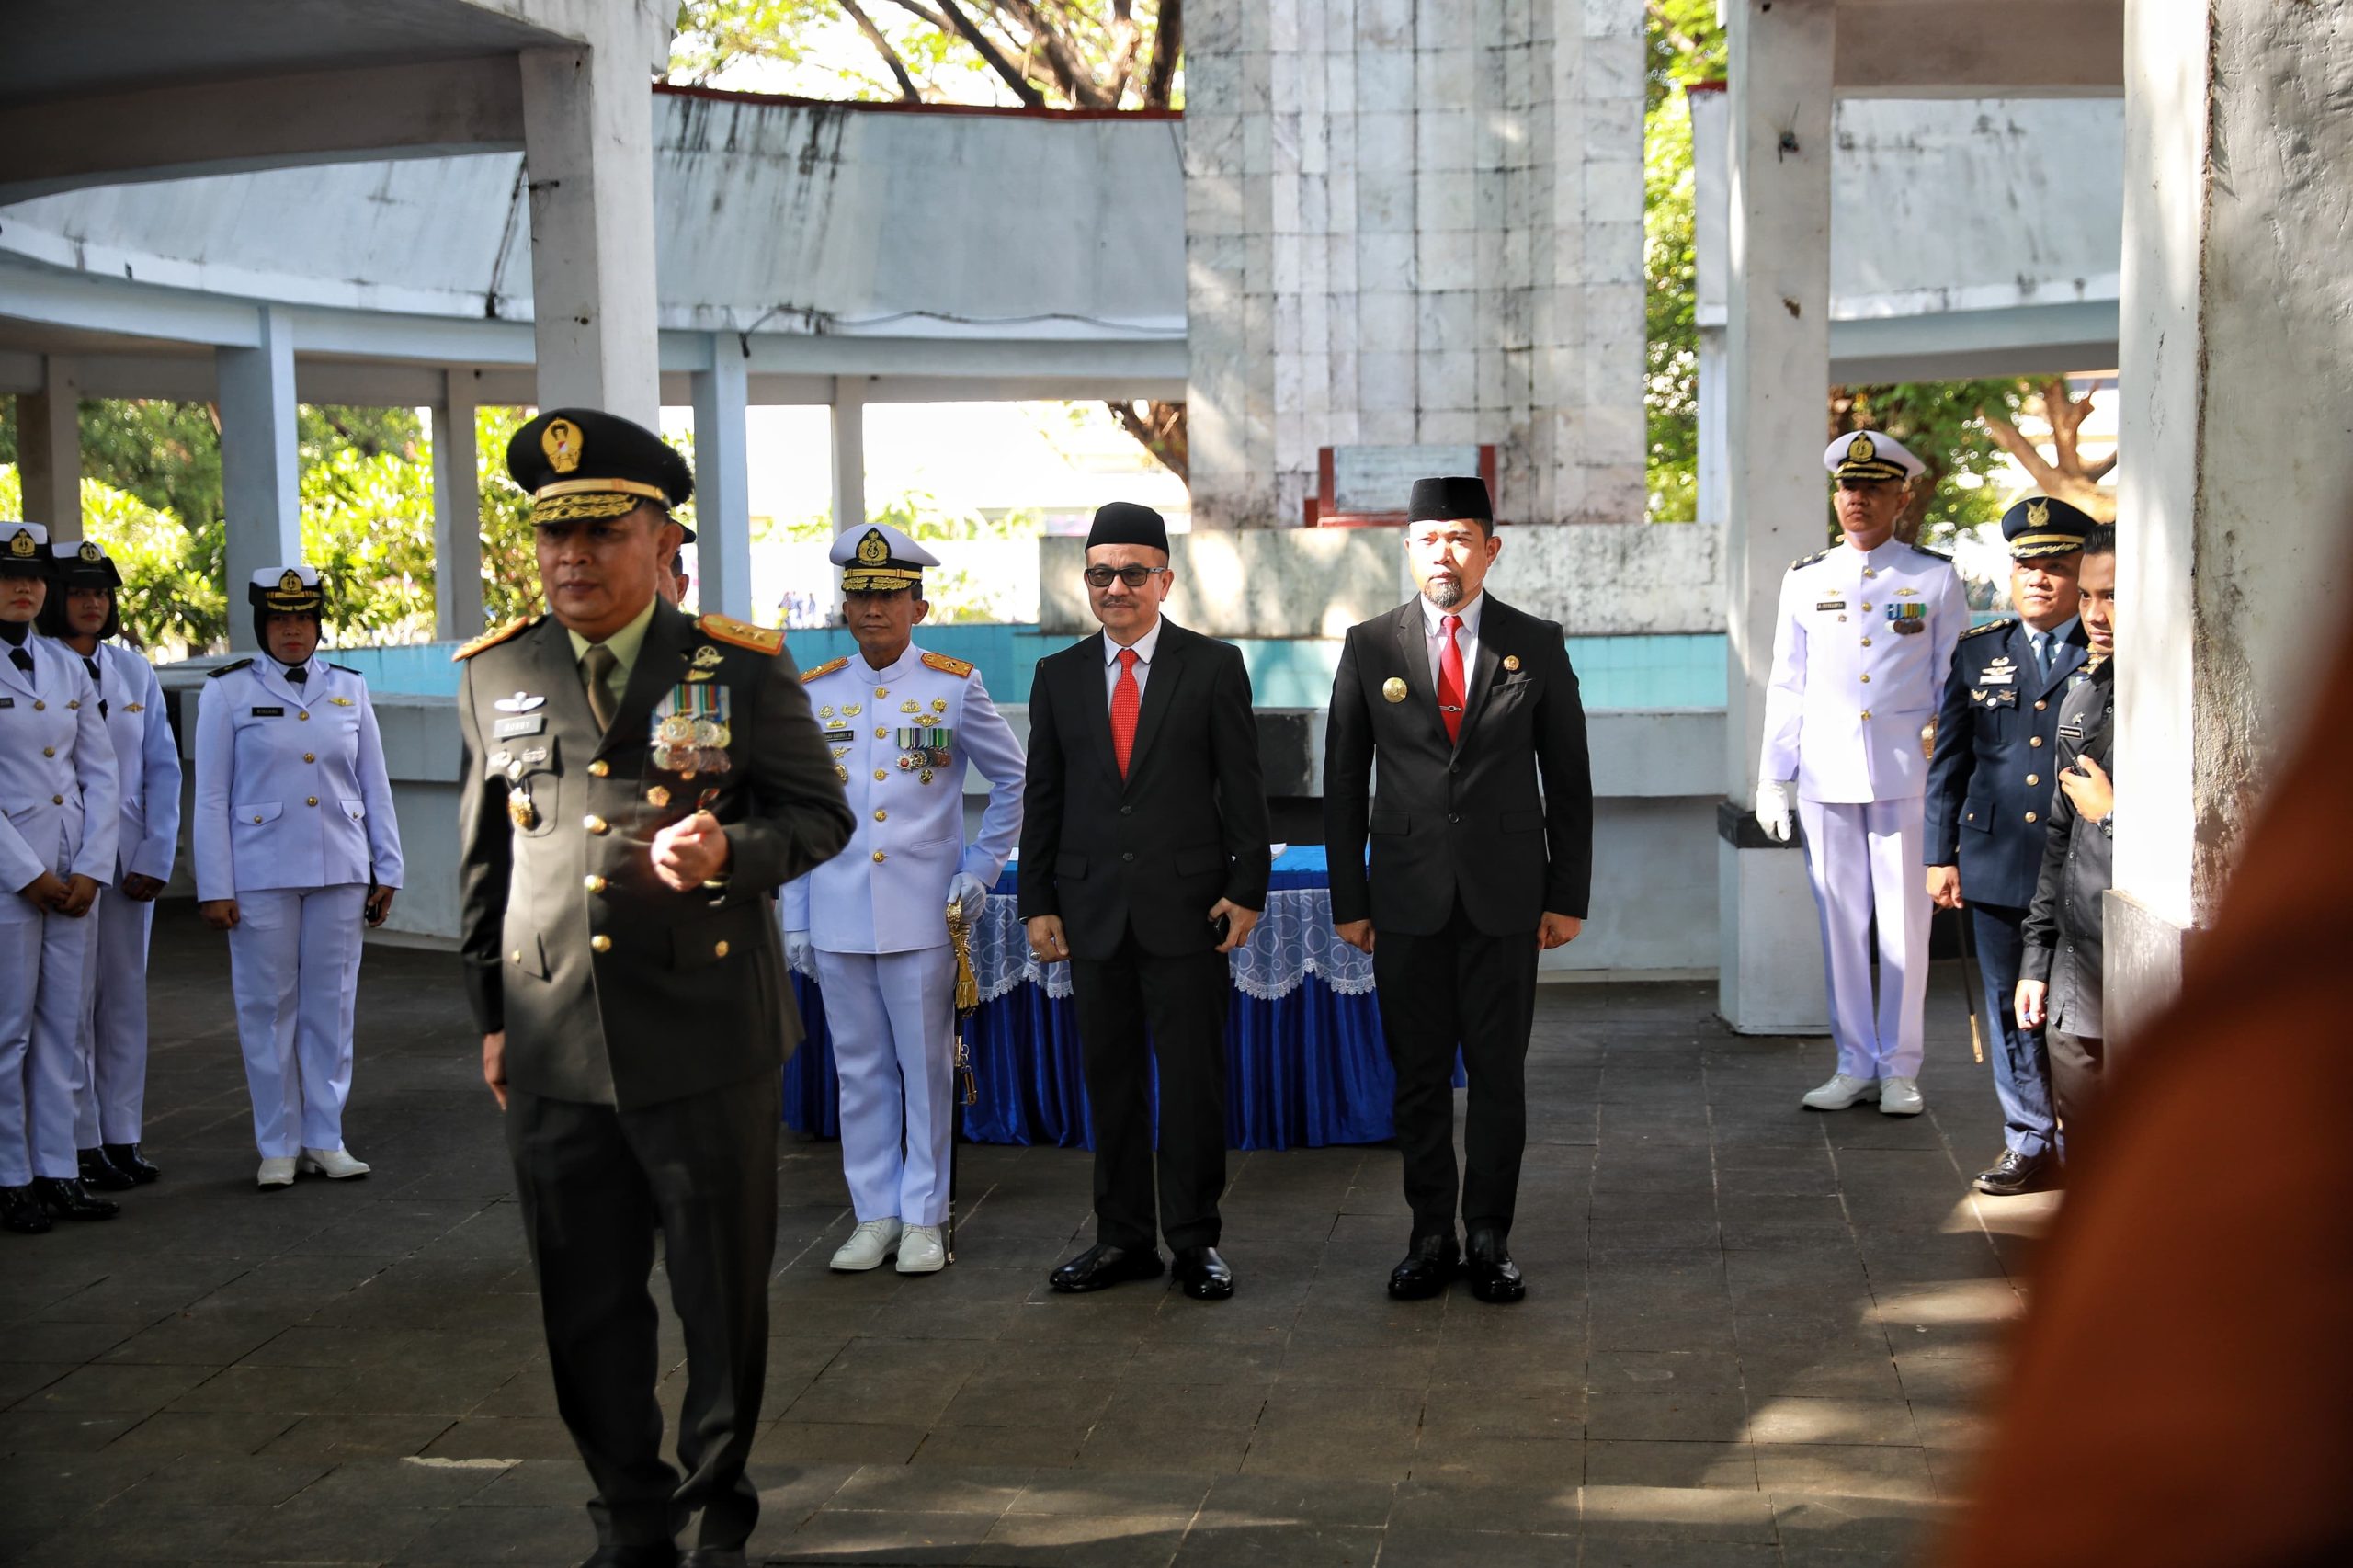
457	512
1777	377
849	453
722	482
589	155
2237	359
49	450
260	465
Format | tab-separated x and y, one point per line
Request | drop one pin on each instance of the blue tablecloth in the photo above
1305	1067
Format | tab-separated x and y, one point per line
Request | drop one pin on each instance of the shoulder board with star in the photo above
230	668
957	667
1804	561
492	638
2002	625
828	667
1932	554
740	633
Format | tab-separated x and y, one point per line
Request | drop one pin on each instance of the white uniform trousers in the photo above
114	1024
892	1016
43	958
294	967
1864	859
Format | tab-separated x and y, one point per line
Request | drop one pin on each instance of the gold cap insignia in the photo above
1861	450
91	553
1394	690
22	545
873	550
561	441
2038	513
290	581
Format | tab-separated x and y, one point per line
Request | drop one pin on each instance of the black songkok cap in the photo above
1124	522
1444	500
581	463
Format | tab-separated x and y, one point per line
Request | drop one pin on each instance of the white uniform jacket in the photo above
149	759
59	785
290	786
1851	692
900	738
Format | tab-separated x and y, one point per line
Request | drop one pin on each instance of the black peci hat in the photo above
581	463
1444	500
1124	522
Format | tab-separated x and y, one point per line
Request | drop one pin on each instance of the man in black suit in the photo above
637	785
1474	868
1144	862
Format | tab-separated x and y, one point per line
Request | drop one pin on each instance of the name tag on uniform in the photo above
1831	603
529	724
842	735
7	702
269	713
2073	730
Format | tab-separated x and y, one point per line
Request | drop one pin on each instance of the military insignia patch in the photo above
707	655
91	553
521	703
342	701
21	545
743	634
491	638
957	667
828	667
560	442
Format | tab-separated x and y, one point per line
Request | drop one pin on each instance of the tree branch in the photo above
882	46
1071	73
927	14
988	51
1167	47
2008	437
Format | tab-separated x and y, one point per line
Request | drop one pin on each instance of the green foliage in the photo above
172	592
1938	421
713	35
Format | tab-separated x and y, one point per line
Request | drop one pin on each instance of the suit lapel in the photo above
272	679
2067	659
660	665
15	679
1092	696
1413	652
1159	690
1494	621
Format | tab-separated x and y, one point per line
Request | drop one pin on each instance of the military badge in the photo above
1394	690
706	656
1907	619
560	442
91	553
924	748
521	703
1830	605
1511	661
691	733
342	701
21	545
852	710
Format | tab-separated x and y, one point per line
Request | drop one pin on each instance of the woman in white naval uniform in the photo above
872	921
57	838
82	614
295	847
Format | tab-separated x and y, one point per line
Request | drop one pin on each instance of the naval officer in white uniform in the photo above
902	723
57	847
295	847
83	615
1861	644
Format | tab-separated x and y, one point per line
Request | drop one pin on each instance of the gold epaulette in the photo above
956	667
1807	560
828	667
492	638
2002	625
740	633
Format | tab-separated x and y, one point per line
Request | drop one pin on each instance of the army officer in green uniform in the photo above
637	785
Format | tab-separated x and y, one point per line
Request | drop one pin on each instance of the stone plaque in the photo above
1378	479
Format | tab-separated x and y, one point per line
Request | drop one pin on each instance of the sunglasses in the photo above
1133	576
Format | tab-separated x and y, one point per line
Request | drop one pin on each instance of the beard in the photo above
1444	592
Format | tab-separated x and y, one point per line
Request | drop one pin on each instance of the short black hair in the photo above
51	619
2101	540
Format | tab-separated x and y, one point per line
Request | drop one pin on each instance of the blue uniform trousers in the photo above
2021	1066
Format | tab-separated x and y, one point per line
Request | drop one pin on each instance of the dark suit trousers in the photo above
2021	1062
596	1183
1459	986
1181	1003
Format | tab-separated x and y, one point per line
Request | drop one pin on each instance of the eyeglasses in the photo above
1133	576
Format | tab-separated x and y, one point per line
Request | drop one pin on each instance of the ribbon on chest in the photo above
690	729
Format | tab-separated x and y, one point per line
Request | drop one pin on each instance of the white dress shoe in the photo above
276	1173
921	1250
1843	1090
333	1163
1900	1097
868	1247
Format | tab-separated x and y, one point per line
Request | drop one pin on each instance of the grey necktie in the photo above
597	666
2042	641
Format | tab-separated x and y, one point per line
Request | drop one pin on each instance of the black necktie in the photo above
96	685
91	665
299	673
22	659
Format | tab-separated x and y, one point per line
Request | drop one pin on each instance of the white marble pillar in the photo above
849	453
49	450
722	482
260	462
2237	361
1777	375
589	158
456	511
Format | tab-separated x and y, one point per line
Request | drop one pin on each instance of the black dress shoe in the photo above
2015	1174
1493	1277
1103	1265
102	1173
64	1198
655	1554
21	1211
713	1557
127	1158
1202	1274
1428	1264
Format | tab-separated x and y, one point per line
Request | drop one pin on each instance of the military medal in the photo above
520	810
1907	619
690	729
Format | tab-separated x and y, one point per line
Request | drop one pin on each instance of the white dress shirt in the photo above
1143	646
1467	638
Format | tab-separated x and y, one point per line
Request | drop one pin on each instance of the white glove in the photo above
971	893
797	953
1773	807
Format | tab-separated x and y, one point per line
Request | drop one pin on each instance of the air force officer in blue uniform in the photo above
295	847
1989	801
901	724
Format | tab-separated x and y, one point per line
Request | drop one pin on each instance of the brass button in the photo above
1866	713
304	713
878	856
1867	678
39	706
1866	642
719	950
310	800
881	731
599	767
60	799
593	882
881	691
516	955
1867	607
657	796
595	825
881	815
48	751
2040	706
256	815
881	773
2034	740
1868	572
309	756
2032	779
2030	817
601	943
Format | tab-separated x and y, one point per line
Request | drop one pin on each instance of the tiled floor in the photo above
1753	1335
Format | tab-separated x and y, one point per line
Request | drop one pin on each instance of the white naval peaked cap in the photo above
292	588
878	559
1870	454
274	577
24	541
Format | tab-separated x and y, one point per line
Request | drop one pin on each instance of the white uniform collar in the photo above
898	666
1145	645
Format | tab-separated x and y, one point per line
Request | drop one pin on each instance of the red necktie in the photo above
1126	699
1450	678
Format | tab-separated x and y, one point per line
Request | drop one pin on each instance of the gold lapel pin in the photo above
1511	661
1393	688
